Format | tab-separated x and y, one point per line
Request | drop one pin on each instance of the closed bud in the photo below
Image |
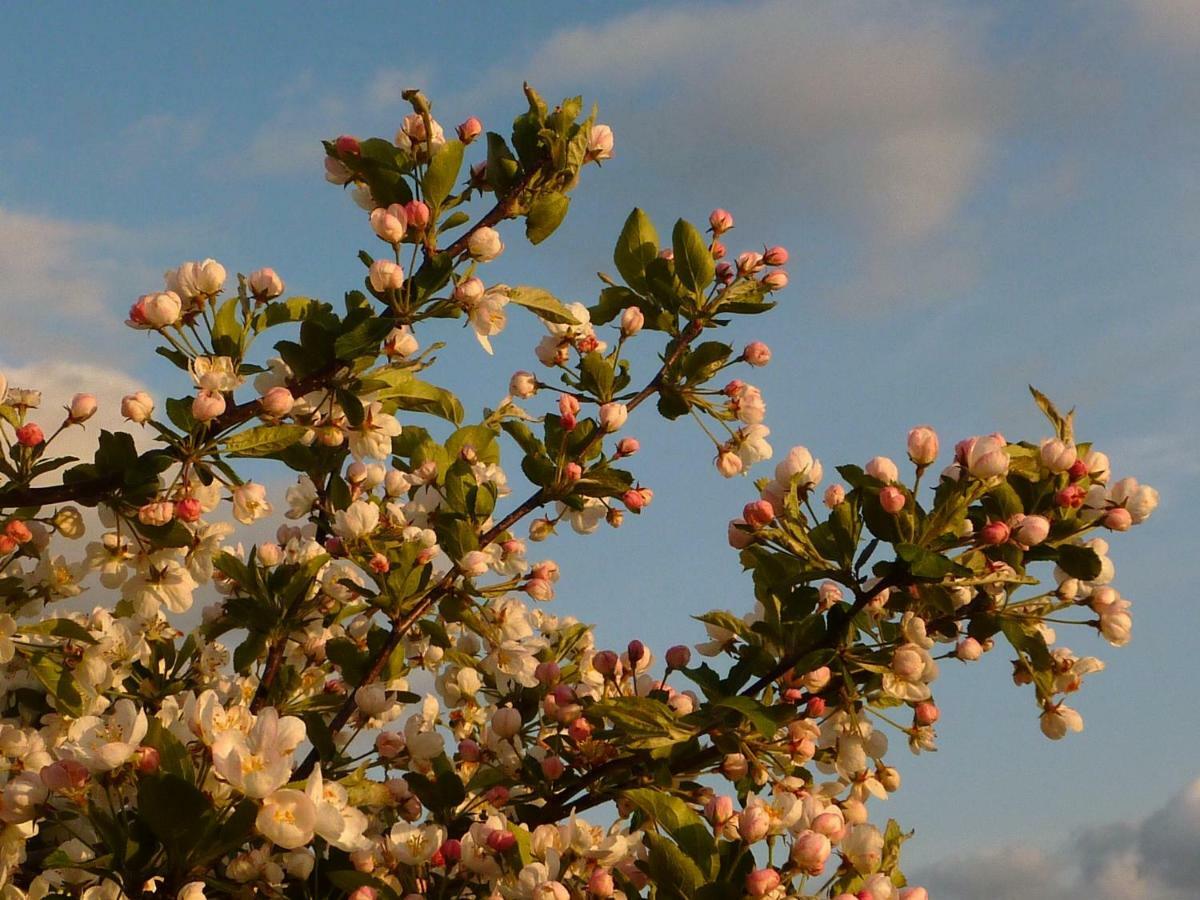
188	509
265	284
146	759
401	343
883	469
601	884
605	662
627	446
572	472
758	514
506	722
775	281
678	656
385	275
994	534
30	435
484	244
600	144
469	130
632	321
1117	519
1057	455
775	256
417	212
1031	530
501	841
157	513
757	354
635	651
922	445
720	221
734	766
277	402
522	384
753	824
835	495
613	416
137	408
968	649
761	882
892	499
390	223
926	712
208	405
82	408
347	145
553	768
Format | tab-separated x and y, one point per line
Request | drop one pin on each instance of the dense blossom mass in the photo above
379	703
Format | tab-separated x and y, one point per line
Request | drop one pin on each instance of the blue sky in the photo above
976	196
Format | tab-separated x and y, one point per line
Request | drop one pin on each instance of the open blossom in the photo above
487	316
372	439
1057	721
413	137
258	761
287	818
250	502
103	743
356	521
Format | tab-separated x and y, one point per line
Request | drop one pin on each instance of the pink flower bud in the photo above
469	750
761	882
758	514
506	722
390	223
718	250
1031	530
926	713
146	759
632	321
749	263
994	534
815	707
451	851
968	649
188	509
30	435
601	884
883	469
775	281
627	446
469	130
501	841
613	416
347	145
208	405
539	589
809	852
553	768
720	221
18	532
1117	519
729	463
161	309
775	256
522	384
418	215
389	744
265	284
547	673
82	408
678	656
734	766
637	499
137	408
754	824
605	662
739	538
922	445
277	402
757	354
725	272
1070	497
892	499
1057	455
568	406
385	275
600	144
835	495
484	244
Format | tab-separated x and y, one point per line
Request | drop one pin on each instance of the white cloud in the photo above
878	117
1157	858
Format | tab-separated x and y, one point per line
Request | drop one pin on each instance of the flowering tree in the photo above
399	717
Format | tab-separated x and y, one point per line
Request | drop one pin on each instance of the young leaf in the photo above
546	305
636	247
545	215
442	172
693	261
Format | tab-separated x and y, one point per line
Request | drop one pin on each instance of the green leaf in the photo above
176	811
263	440
926	564
596	376
1079	562
546	305
173	756
645	723
604	483
226	332
1062	424
63	628
502	166
680	821
293	309
693	260
442	172
636	247
545	215
410	393
674	874
57	680
765	720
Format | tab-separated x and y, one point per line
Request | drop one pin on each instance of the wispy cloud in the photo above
1156	858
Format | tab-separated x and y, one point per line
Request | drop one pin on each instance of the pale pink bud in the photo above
522	384
729	463
775	281
678	656
188	509
922	445
469	291
601	884
600	143
539	589
1057	455
553	768
417	212
208	405
506	722
1117	519
718	250
159	512
637	499
161	309
336	171
754	824
146	759
265	284
484	244
775	256
277	402
613	416
983	457
82	408
810	850
548	673
568	405
749	263
758	514
884	469
605	662
761	882
835	495
734	766
632	321
628	446
390	223
720	221
137	408
968	649
401	343
757	354
926	713
892	499
1031	530
385	275
739	538
572	472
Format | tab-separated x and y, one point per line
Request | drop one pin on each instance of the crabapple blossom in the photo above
632	320
385	275
485	245
265	284
137	407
